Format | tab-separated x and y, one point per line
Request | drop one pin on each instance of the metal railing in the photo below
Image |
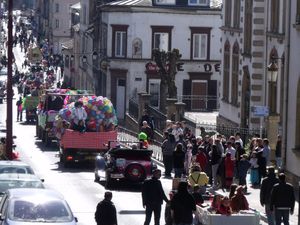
159	118
204	103
133	109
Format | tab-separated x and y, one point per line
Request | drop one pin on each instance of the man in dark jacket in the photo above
153	196
106	211
282	200
265	193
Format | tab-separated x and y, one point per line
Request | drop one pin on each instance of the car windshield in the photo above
8	184
37	210
16	169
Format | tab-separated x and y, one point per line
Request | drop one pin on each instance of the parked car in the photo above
8	166
126	163
18	180
35	206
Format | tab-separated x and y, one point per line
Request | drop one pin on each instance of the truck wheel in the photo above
135	172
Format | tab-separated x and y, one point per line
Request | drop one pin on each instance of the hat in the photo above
168	121
143	136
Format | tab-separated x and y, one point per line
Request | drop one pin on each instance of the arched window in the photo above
226	71
235	74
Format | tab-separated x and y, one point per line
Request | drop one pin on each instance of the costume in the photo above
239	202
199	178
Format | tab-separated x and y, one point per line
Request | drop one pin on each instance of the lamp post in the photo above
272	79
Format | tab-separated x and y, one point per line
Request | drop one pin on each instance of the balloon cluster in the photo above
100	112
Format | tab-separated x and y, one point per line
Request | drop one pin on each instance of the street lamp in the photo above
84	59
95	55
272	71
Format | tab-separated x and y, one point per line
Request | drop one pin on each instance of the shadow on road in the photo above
131	212
122	186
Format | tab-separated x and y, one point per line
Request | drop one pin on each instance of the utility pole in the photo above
9	127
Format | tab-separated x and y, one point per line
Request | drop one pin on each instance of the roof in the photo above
22	192
76	6
213	3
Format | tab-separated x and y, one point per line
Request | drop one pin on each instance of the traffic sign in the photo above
260	110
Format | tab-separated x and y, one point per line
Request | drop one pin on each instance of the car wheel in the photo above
135	172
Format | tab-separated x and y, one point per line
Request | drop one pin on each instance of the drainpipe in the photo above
286	81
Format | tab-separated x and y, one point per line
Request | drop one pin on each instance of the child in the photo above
254	178
224	207
229	170
243	167
215	204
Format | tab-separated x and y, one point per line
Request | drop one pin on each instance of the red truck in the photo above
78	147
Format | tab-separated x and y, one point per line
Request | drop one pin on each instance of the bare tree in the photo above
167	69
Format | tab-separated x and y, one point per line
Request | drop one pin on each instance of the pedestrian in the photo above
106	211
147	129
278	152
282	200
215	160
243	167
183	205
201	158
229	170
254	176
196	177
178	160
266	151
153	196
265	193
19	109
239	201
168	147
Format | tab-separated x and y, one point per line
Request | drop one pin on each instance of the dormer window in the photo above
199	2
165	2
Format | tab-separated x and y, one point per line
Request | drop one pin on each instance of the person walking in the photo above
278	152
265	193
168	147
153	196
106	211
178	160
183	205
215	160
282	200
19	109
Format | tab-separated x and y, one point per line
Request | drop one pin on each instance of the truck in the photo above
30	104
78	146
50	102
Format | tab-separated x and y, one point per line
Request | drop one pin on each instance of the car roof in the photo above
25	192
12	163
18	176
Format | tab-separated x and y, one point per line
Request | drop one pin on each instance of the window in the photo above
56	7
228	9
199	46
199	2
119	45
248	27
298	12
161	41
274	16
167	2
200	43
56	23
161	37
237	12
226	71
235	74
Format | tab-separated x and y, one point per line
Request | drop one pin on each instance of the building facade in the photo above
130	30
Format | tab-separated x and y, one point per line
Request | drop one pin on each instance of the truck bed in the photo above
86	140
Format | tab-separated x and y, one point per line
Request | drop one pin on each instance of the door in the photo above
154	89
199	94
121	96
